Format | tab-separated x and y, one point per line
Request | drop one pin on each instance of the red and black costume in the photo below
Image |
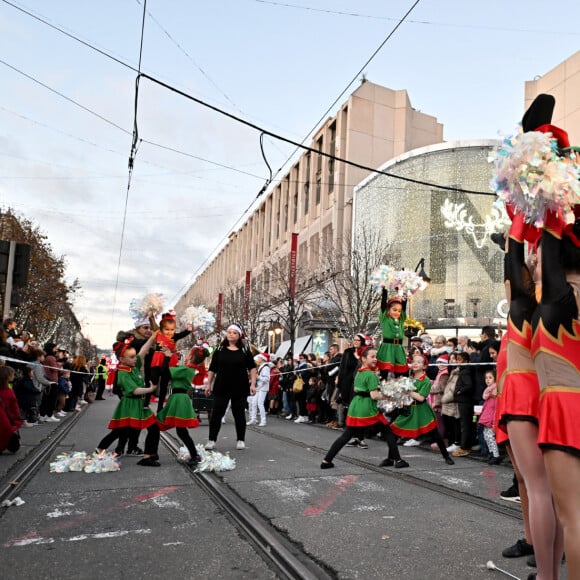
556	342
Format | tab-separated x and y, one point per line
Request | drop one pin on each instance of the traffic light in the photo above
21	265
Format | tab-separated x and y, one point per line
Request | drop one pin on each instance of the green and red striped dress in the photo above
422	418
363	410
178	411
130	412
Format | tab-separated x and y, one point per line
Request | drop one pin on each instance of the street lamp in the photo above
274	332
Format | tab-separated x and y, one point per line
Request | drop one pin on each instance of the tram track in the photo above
24	471
505	510
284	557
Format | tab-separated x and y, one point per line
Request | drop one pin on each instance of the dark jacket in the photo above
464	386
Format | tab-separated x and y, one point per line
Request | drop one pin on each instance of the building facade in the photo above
449	229
314	198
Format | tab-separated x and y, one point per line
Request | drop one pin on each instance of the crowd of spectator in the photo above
39	383
459	391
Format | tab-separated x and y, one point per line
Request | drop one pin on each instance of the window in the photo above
331	151
307	182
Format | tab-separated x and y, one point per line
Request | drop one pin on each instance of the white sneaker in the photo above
209	445
288	416
240	445
83	402
42	419
452	448
27	424
61	414
52	420
78	408
262	424
411	443
252	422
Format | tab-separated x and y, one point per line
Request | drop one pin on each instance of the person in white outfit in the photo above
257	400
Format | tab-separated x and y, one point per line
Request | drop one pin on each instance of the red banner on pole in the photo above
218	321
293	260
247	295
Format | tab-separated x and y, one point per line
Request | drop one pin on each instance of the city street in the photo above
358	520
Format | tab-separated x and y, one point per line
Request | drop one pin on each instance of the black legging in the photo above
48	402
466	424
183	434
162	377
220	404
436	437
358	432
151	441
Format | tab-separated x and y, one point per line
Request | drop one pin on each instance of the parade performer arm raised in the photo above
391	354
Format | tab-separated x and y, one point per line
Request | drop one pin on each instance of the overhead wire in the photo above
331	106
134	148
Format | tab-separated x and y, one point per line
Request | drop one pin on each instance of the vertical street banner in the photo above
293	258
218	322
247	295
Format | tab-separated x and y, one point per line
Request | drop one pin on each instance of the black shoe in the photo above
494	461
512	493
326	465
194	461
353	443
149	462
532	576
400	464
135	451
449	461
531	561
519	549
387	463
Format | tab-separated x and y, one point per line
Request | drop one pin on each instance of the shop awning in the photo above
301	345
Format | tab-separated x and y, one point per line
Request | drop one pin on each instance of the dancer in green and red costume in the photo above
130	412
421	420
364	413
179	412
392	358
165	355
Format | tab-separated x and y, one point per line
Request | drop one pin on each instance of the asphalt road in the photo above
359	521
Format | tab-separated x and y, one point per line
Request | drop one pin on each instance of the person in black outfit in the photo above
231	377
464	400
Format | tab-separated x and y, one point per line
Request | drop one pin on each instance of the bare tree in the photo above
281	304
45	303
347	282
234	306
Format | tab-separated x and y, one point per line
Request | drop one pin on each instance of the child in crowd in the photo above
257	400
179	412
275	392
391	354
449	408
421	419
63	391
131	411
487	417
364	413
464	398
165	355
9	412
27	394
438	388
312	399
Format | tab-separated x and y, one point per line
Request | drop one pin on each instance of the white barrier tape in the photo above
29	363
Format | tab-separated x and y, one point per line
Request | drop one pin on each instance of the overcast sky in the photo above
279	65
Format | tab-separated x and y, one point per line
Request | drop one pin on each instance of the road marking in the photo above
330	496
82	537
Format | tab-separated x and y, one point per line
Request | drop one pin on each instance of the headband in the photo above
121	347
237	328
